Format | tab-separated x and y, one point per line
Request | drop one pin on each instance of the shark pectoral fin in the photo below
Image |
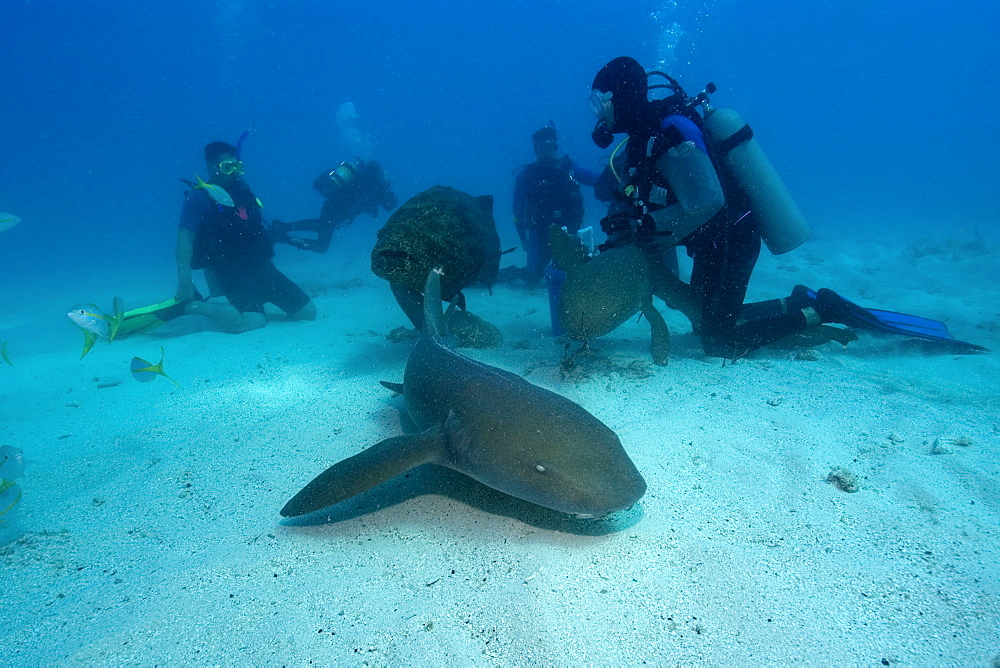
89	339
659	333
373	466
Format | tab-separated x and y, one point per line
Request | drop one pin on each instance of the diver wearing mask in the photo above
702	182
666	192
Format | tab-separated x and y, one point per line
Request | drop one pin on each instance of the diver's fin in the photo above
150	317
848	313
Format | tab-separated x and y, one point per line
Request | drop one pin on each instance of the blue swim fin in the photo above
834	308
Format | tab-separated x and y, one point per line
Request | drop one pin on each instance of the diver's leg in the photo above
307	312
725	288
412	303
667	285
225	316
539	254
246	289
285	294
216	283
723	263
252	320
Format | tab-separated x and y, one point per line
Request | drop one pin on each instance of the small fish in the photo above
144	372
3	354
217	193
96	324
8	220
11	462
10	495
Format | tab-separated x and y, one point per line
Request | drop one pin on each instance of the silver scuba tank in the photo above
783	227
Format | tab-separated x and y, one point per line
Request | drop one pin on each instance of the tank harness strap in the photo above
741	136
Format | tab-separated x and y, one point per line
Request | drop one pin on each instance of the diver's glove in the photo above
620	228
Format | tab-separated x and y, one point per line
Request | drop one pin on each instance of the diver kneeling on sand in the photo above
696	179
221	231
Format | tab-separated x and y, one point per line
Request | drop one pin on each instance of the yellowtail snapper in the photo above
144	372
216	192
8	220
11	467
96	324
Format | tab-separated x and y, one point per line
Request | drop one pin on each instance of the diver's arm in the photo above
696	186
583	175
185	252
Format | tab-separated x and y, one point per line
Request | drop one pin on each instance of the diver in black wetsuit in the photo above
349	189
670	193
222	232
703	183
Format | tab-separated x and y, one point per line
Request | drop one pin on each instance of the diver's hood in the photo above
625	79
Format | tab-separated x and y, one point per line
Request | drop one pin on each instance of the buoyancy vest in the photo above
552	194
231	235
643	183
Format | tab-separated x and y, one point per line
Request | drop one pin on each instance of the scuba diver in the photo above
681	178
546	192
222	232
348	190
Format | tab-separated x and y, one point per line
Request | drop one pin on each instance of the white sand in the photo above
150	514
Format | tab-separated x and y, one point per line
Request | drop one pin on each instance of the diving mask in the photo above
230	167
603	107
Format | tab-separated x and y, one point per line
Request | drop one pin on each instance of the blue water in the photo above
146	543
878	114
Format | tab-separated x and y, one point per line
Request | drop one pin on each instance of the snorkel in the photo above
239	142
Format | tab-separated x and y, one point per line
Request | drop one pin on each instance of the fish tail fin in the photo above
115	321
3	354
158	368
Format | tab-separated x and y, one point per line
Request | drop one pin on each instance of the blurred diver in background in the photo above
348	190
546	192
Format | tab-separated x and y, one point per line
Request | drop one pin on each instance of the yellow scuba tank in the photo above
783	227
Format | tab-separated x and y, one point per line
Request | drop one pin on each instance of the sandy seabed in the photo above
149	530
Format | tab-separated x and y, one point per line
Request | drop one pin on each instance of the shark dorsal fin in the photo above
433	315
